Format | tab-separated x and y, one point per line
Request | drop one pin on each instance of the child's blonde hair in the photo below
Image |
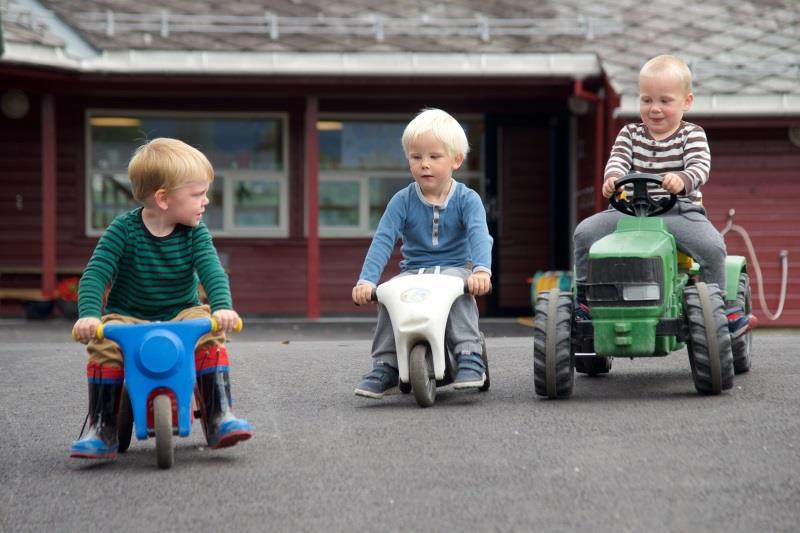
165	163
445	128
669	65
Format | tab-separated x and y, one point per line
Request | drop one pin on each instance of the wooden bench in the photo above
30	293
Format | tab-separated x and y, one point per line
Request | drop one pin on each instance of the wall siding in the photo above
755	171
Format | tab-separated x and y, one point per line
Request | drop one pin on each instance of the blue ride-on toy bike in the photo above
161	395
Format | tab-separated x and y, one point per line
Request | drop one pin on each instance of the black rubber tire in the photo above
124	421
742	346
553	357
485	356
162	422
598	364
420	374
709	344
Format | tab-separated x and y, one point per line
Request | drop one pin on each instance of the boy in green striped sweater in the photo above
152	258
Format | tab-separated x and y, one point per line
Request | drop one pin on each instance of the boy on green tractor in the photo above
631	296
643	301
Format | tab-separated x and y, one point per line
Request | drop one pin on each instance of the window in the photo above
249	194
362	165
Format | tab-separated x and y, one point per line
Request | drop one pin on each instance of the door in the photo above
527	189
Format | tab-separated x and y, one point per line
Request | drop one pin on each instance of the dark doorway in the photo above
527	192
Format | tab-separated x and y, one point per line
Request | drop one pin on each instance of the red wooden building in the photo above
300	109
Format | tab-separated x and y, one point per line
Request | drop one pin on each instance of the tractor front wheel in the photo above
553	357
709	343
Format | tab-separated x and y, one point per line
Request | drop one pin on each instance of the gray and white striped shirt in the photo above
685	153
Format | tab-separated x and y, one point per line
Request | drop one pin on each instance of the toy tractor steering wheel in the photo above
641	203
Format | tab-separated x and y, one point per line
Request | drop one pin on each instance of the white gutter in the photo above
312	64
728	105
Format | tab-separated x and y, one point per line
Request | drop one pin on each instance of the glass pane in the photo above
257	203
381	191
376	144
229	143
338	203
361	144
111	195
213	215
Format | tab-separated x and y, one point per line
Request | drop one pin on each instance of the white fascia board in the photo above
576	66
728	105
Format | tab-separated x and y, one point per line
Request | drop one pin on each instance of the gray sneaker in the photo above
381	380
471	371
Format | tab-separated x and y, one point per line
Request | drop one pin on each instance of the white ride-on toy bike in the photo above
418	306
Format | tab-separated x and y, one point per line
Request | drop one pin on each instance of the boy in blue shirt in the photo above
441	223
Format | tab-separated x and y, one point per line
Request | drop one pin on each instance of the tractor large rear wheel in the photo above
742	345
709	343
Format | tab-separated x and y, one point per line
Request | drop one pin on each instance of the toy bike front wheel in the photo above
423	381
162	420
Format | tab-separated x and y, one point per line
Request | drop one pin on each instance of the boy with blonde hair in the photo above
152	258
663	143
441	223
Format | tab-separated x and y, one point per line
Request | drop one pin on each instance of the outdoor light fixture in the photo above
794	135
15	104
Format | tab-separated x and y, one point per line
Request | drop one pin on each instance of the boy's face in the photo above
662	103
431	164
187	203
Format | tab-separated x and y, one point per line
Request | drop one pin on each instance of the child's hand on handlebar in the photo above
362	294
227	319
85	329
672	183
609	187
479	283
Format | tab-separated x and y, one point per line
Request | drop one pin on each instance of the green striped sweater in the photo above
152	278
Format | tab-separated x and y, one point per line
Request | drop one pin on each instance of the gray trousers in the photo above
461	334
687	222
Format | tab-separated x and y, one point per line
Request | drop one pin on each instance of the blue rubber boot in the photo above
223	429
100	441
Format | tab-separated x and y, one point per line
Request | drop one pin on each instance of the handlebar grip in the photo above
236	329
98	334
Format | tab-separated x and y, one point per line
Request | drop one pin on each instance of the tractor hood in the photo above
635	237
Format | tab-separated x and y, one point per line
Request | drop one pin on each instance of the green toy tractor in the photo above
644	302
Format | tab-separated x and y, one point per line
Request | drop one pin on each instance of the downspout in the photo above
48	161
599	135
312	207
612	102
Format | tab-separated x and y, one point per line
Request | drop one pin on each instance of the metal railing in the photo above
378	27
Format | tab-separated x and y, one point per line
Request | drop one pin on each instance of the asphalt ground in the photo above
636	450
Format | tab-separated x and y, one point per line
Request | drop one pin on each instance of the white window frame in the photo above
362	177
230	176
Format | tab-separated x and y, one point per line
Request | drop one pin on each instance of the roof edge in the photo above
728	105
577	66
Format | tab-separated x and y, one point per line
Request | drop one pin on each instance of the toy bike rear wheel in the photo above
162	420
485	356
124	421
709	343
420	370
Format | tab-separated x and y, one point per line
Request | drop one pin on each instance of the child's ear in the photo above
687	104
457	160
160	197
